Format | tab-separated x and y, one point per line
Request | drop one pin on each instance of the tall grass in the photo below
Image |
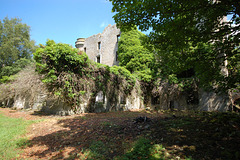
10	131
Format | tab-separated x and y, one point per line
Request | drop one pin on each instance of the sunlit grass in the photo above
10	131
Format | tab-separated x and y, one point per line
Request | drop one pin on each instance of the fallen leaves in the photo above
108	135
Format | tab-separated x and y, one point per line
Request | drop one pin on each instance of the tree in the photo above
181	25
134	55
15	42
8	72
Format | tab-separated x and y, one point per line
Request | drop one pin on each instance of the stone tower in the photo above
80	43
102	47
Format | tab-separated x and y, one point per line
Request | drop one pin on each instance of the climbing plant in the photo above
71	75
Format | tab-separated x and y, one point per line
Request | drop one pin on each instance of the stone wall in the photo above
168	97
133	101
29	92
211	101
171	98
103	45
48	103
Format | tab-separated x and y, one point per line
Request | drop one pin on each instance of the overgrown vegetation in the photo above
135	56
71	75
10	131
25	83
189	40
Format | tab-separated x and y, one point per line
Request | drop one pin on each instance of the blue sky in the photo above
60	20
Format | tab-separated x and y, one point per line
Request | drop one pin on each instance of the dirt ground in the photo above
58	137
205	135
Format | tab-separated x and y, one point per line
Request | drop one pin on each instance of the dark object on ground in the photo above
142	119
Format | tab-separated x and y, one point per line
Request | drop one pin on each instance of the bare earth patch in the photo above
57	137
182	135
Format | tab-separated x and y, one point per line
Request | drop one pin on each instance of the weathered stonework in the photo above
208	101
169	96
101	47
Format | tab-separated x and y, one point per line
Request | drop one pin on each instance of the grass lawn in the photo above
10	131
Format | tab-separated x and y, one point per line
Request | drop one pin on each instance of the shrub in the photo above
7	72
70	75
26	82
53	59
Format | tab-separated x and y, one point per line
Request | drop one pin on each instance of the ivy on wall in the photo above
71	75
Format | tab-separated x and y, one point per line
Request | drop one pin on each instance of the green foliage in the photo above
56	58
144	149
70	75
172	78
11	128
8	72
6	79
189	36
144	75
96	150
140	150
194	62
15	41
61	64
176	22
134	56
123	72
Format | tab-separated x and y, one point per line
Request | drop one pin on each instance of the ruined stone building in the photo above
102	47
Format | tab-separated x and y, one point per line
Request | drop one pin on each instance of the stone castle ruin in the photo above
102	47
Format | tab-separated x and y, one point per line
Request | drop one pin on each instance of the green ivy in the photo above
70	74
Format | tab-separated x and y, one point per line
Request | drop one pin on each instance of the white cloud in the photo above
103	24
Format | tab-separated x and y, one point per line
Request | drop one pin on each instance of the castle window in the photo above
116	55
100	97
98	59
99	45
118	38
85	49
155	100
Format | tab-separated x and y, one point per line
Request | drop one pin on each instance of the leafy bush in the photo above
7	72
70	75
5	79
26	82
53	59
62	65
122	71
144	75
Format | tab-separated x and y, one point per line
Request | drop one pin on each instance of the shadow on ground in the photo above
119	135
